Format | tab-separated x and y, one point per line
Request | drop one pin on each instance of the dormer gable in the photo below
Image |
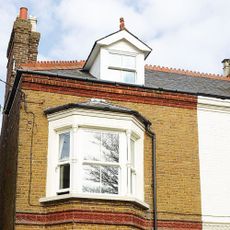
118	57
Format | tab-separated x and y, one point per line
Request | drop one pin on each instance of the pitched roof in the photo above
155	77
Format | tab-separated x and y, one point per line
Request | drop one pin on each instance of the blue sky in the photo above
186	34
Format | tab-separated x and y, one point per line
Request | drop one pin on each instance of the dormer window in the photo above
118	57
122	67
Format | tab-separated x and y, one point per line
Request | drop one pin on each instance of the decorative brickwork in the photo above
111	91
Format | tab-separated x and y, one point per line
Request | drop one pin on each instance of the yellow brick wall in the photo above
178	191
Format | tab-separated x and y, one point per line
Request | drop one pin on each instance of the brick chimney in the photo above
23	43
226	67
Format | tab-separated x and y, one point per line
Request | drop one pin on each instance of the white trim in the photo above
213	104
215	226
94	196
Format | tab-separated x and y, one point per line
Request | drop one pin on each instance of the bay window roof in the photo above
98	104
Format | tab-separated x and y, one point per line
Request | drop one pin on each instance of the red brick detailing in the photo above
178	225
186	72
96	217
111	92
81	216
48	65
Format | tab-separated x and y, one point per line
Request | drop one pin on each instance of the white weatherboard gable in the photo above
123	34
214	153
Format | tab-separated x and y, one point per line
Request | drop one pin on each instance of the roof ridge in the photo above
185	72
54	64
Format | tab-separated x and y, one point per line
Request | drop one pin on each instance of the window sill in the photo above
138	202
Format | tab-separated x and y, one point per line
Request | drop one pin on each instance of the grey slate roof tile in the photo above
169	81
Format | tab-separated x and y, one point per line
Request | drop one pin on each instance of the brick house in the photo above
111	143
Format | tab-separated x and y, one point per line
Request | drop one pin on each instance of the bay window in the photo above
95	155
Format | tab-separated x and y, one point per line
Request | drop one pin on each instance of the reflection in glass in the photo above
92	145
128	77
64	146
91	179
109	179
110	147
100	179
64	176
128	62
100	146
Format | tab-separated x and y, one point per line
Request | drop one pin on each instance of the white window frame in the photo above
121	69
74	120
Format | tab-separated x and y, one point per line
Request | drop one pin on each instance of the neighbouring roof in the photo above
99	104
155	77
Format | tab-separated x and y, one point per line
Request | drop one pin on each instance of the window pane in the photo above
110	147
91	179
109	178
92	145
132	150
64	146
128	77
64	176
113	75
128	62
116	60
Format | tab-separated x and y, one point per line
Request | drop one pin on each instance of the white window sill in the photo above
94	197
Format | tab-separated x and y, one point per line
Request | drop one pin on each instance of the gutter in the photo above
19	72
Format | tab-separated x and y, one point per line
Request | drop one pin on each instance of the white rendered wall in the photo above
95	69
214	153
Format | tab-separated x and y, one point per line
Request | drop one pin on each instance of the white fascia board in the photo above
97	114
123	34
214	104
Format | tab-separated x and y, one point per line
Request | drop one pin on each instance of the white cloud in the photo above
183	33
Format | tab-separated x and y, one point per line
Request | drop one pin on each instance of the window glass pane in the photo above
64	176
128	77
113	75
128	62
64	146
132	150
92	145
109	179
110	147
91	179
116	60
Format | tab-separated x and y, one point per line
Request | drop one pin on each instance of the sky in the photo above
188	34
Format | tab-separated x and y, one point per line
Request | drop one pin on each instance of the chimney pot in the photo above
122	23
226	67
23	13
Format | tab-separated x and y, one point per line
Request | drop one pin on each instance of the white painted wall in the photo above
95	69
214	153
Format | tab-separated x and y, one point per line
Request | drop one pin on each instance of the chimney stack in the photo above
23	43
226	67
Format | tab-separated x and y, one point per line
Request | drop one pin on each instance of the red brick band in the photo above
111	92
106	218
86	217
